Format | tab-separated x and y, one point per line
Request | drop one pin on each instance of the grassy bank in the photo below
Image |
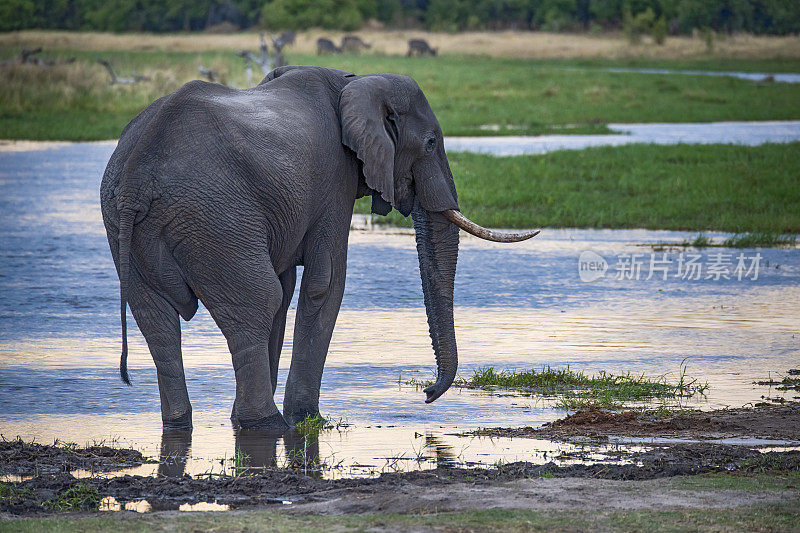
471	95
714	187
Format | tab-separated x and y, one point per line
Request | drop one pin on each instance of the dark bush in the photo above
684	16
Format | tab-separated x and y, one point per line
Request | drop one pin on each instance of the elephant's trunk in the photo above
437	247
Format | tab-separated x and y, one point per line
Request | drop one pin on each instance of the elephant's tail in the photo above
126	218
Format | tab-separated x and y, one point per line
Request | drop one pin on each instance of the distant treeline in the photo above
680	16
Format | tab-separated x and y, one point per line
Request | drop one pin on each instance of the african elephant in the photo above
218	194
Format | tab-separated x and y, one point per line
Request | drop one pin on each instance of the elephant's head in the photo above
387	122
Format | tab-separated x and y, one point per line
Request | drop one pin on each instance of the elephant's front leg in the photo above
320	297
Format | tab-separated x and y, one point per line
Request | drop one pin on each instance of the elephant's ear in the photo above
364	107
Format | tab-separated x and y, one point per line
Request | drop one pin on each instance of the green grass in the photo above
763	517
312	424
10	492
740	240
757	239
576	389
701	241
75	498
752	482
468	93
697	188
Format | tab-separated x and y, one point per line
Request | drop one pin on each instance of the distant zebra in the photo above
326	46
420	47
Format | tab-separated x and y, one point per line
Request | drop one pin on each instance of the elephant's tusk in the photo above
469	226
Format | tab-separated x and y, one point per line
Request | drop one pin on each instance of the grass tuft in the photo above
317	423
11	492
312	424
756	239
77	497
759	239
701	241
576	389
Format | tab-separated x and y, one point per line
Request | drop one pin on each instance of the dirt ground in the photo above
541	494
631	481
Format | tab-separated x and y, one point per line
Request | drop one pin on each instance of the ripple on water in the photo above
518	307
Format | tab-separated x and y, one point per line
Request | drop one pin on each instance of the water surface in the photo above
744	133
517	306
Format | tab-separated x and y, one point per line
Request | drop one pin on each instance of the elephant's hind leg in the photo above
243	294
159	323
276	335
288	280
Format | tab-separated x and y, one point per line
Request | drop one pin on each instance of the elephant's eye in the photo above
430	144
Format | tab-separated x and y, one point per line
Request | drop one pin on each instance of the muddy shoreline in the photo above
28	459
283	487
766	422
294	490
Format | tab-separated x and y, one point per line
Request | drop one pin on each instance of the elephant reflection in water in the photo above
444	455
175	446
254	450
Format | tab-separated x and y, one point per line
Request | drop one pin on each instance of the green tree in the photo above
17	14
304	14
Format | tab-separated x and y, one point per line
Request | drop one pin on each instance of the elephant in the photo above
218	194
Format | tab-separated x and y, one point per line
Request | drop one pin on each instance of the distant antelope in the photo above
287	37
326	46
420	47
353	44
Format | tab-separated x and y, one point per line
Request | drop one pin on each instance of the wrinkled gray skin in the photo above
219	194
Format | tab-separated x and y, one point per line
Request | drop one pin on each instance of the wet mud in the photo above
293	489
26	459
767	421
281	487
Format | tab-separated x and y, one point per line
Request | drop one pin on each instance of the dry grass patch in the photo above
541	45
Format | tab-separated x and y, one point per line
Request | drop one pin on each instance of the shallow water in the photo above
744	133
751	76
518	306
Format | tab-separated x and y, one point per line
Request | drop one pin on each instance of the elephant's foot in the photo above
273	422
182	423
